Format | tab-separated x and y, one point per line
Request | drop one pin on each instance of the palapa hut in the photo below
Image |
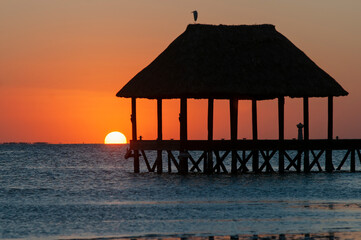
253	62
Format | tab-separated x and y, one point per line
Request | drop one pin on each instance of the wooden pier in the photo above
236	63
248	156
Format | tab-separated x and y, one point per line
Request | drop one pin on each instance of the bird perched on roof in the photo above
195	15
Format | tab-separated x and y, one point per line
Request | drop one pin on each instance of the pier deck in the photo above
246	155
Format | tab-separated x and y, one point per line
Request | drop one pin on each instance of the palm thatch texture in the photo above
223	62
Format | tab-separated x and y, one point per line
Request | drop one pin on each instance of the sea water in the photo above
90	191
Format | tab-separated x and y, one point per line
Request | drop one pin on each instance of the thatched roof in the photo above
221	62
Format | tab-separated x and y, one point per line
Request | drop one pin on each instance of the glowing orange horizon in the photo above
60	75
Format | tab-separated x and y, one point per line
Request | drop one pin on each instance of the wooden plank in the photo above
295	162
306	125
160	136
329	164
306	131
233	109
281	118
150	169
172	158
343	160
183	120
220	160
217	167
299	160
160	119
133	119
223	145
255	162
267	158
358	154
330	118
353	162
281	132
169	162
254	120
315	160
208	163
243	161
183	159
210	118
292	161
196	163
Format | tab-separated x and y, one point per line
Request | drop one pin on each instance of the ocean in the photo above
89	191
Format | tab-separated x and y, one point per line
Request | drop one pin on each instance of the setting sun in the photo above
115	138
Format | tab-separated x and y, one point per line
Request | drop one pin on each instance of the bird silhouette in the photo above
195	15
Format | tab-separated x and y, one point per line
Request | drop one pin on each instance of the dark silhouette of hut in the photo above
253	62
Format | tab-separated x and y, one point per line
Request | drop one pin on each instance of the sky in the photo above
63	61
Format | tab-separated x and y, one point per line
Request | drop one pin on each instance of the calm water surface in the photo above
89	191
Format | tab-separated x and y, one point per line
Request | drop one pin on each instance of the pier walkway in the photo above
247	156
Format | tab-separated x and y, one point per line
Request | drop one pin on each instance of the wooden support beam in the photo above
353	162
344	160
233	107
225	145
267	156
294	162
254	120
183	120
133	119
281	132
330	118
160	136
233	104
329	164
306	130
255	163
160	121
169	162
316	160
219	159
210	118
183	164
281	118
208	162
306	119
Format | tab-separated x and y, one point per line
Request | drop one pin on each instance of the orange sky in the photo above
62	62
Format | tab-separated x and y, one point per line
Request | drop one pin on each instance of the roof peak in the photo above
211	26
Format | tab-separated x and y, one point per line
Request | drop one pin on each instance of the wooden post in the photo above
133	119
255	163
169	164
233	107
208	168
353	163
330	118
329	164
306	135
183	158
160	136
281	132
